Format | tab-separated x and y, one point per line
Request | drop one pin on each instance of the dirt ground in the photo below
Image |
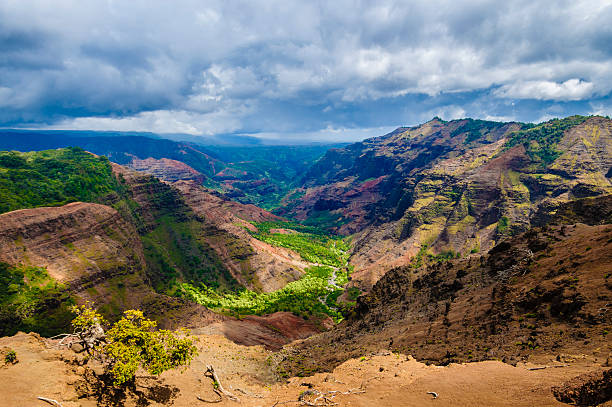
383	379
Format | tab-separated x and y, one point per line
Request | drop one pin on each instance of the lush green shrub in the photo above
134	342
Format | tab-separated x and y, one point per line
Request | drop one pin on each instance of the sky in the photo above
299	70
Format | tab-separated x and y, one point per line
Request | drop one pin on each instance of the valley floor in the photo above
383	379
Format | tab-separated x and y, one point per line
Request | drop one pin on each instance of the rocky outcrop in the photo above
547	291
460	186
167	169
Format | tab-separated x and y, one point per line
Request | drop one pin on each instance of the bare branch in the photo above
211	371
51	401
211	401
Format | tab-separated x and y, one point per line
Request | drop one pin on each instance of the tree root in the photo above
51	401
211	401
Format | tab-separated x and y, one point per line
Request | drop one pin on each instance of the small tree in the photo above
134	342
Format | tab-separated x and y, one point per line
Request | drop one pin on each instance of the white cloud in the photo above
571	89
206	66
324	135
159	121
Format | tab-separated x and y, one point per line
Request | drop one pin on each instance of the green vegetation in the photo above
540	140
30	300
309	242
10	357
266	174
502	225
315	294
176	252
423	257
52	178
302	297
475	129
133	342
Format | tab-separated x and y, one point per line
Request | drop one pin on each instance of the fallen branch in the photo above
217	383
57	336
433	393
327	397
546	367
284	402
248	393
51	401
211	401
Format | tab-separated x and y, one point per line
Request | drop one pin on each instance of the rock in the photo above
589	389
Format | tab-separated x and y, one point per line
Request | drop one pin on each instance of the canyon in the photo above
473	246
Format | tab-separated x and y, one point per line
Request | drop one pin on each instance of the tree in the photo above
132	342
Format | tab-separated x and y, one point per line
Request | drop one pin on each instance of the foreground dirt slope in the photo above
546	291
374	380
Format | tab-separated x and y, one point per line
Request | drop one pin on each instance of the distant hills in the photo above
256	174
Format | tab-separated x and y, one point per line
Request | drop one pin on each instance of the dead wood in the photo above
210	370
50	401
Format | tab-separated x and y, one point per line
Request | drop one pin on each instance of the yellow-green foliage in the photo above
541	140
134	342
302	297
312	244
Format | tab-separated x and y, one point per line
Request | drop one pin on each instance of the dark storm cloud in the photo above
299	69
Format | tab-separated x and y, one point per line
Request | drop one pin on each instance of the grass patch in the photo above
300	297
312	244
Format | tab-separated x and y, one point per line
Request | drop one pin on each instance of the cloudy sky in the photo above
299	70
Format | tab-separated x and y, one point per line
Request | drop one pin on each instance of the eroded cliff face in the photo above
99	254
88	247
459	186
166	169
546	291
259	265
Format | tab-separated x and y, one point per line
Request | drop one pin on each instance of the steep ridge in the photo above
78	243
269	268
94	255
545	292
449	188
131	249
